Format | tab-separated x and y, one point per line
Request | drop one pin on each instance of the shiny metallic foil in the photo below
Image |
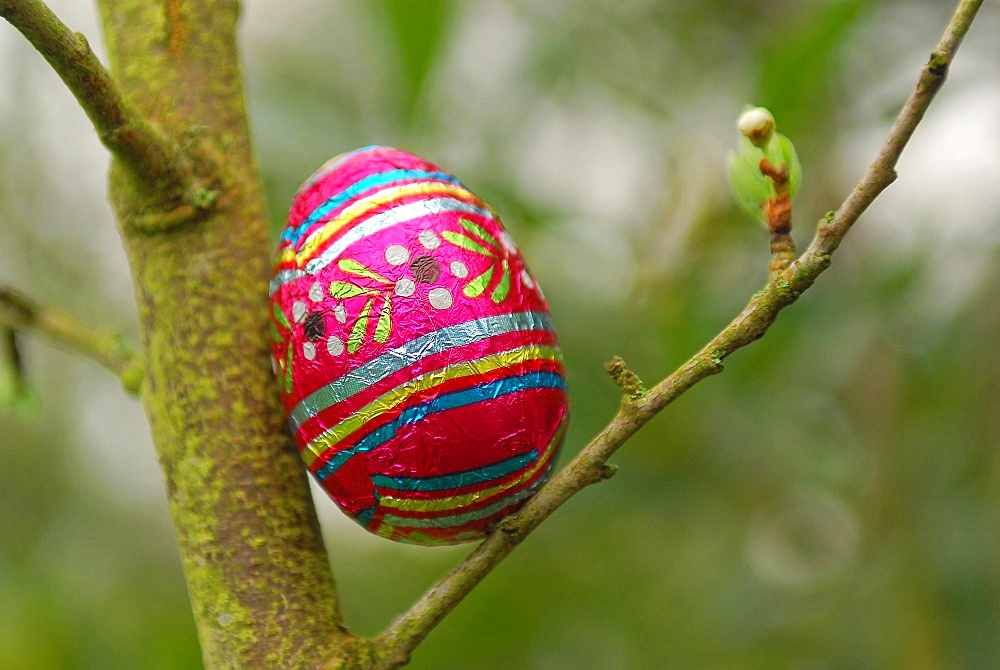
418	365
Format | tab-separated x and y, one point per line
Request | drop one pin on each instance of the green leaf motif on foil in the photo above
479	231
467	243
280	317
275	335
361	270
357	336
288	371
341	290
500	292
475	288
480	241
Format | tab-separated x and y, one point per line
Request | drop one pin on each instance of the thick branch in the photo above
107	349
782	289
144	149
258	575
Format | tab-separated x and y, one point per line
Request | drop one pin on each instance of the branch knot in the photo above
627	381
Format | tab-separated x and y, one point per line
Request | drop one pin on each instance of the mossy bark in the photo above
258	575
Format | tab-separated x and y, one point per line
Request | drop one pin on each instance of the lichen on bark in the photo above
258	575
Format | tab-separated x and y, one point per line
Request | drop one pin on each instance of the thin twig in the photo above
110	350
778	211
12	365
148	153
782	289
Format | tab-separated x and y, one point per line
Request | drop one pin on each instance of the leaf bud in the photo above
757	125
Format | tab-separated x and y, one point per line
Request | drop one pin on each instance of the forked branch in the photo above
110	350
151	156
784	287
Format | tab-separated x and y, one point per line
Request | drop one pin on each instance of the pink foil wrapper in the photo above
417	361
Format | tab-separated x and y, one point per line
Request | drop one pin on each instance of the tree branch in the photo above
142	147
12	383
107	349
783	288
259	579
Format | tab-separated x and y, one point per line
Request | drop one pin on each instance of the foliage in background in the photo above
832	500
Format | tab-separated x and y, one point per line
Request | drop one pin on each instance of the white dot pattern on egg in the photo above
418	364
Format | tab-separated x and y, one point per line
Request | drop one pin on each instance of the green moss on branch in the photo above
258	574
110	350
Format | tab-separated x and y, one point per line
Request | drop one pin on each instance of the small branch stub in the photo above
110	350
627	381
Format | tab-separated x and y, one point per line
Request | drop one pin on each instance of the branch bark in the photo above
782	289
109	350
165	173
258	575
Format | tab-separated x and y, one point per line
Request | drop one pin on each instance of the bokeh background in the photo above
831	501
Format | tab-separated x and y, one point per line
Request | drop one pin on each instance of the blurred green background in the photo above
831	501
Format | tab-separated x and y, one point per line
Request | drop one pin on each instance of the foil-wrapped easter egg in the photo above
417	361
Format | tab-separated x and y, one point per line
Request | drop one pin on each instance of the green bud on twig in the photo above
759	141
757	125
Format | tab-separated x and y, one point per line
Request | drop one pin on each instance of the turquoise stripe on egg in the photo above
442	403
373	181
394	360
458	479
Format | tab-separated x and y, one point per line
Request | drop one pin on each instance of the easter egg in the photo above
417	361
